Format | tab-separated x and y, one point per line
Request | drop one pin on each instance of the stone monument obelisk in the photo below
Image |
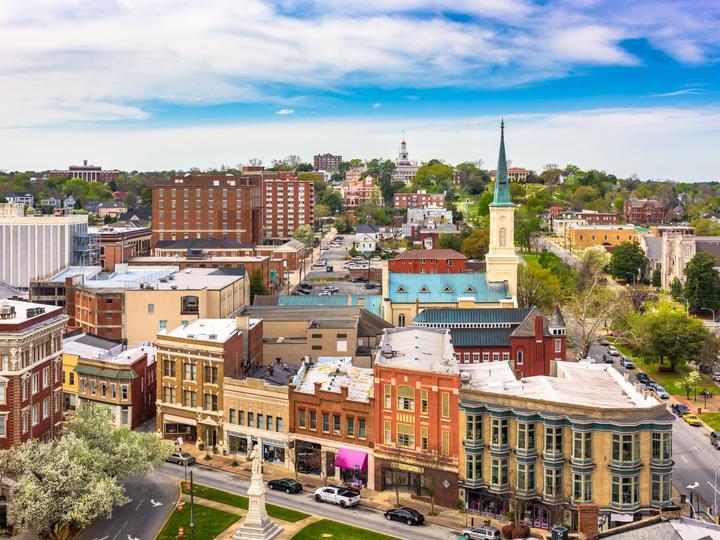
257	524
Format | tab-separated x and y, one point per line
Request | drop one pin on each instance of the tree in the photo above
706	227
537	286
477	244
593	261
656	279
306	235
525	231
257	286
676	289
637	296
628	259
434	177
689	382
450	241
592	307
673	337
702	283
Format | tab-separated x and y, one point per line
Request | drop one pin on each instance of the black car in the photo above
643	378
307	286
371	285
406	515
680	409
288	485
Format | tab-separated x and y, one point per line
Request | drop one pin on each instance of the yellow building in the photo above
76	348
546	445
584	236
183	297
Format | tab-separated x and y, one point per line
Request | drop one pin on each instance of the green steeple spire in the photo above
502	186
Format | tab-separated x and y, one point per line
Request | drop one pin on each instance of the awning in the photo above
349	459
621	518
172	419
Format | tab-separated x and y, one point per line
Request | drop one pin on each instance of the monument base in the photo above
248	531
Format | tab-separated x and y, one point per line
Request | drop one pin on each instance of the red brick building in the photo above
289	203
30	372
645	211
118	244
428	261
89	173
420	199
417	414
527	338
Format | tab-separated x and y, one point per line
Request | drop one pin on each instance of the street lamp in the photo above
710	310
192	508
632	276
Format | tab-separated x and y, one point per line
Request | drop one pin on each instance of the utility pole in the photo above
192	508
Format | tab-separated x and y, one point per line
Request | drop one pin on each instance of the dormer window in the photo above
401	289
447	289
424	289
470	289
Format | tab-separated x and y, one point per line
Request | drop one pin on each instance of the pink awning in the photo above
349	459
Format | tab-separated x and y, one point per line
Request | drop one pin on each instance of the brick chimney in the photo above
539	326
588	520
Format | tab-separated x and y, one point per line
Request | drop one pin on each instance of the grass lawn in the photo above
531	258
328	529
239	501
208	523
712	420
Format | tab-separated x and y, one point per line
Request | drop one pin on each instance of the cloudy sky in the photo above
630	86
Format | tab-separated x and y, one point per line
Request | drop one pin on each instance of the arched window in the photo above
401	319
503	237
520	358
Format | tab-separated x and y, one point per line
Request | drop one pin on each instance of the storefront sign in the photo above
406	467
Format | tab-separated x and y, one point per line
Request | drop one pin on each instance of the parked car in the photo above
406	515
716	377
331	288
661	392
629	364
376	259
329	269
181	458
612	350
486	532
288	485
307	286
359	279
680	409
604	341
608	359
301	291
643	378
371	285
692	419
651	385
337	495
325	293
715	439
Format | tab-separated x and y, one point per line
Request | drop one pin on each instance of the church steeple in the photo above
502	186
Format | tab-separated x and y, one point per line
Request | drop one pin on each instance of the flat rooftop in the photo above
24	311
169	260
333	373
114	229
421	349
128	277
219	330
576	383
198	278
88	346
88	272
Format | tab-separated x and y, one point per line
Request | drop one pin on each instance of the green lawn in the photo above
208	523
711	419
239	501
531	258
332	530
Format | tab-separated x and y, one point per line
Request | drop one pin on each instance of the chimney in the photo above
539	332
344	392
588	520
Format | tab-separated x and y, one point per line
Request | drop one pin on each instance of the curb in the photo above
174	509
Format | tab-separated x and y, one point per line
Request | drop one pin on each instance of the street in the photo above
564	255
153	497
359	516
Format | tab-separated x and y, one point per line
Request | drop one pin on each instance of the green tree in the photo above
656	280
619	205
434	177
674	338
306	235
702	282
483	205
706	227
676	289
525	231
593	261
450	241
537	286
628	259
690	382
477	244
333	200
257	286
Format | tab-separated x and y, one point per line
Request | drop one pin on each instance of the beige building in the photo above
582	436
584	236
678	249
183	297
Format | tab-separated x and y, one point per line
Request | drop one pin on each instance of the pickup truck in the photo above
337	495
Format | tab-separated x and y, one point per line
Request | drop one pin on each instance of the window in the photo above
553	483
473	467
466	358
151	309
558	345
626	448
269	422
46	408
499	431
313	420
476	357
350	426
35	384
113	390
445	443
336	424
189	305
35	414
278	424
93	385
124	392
496	356
211	374
661	490
582	445
486	357
103	389
387	429
260	421
251	419
25	421
231	416
424	438
163	325
190	399
3	429
446	405
506	356
361	428
662	446
72	378
189	371
582	487
625	491
503	237
325	422
406	398
401	317
3	393
301	418
388	396
168	394
525	476
498	472
520	358
406	436
553	440
473	427
169	368
45	377
83	387
525	436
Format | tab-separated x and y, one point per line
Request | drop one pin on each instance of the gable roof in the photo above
365	228
435	283
481	337
431	254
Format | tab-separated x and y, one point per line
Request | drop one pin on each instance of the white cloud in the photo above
655	142
283	112
377	105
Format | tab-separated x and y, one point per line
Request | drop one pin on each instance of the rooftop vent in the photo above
212	336
34	312
7	312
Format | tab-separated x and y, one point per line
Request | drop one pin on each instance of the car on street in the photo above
319	263
604	341
612	350
627	363
485	532
376	259
661	392
307	286
337	495
288	485
643	378
692	419
405	515
651	385
680	409
371	285
325	293
608	359
715	439
301	291
181	458
716	377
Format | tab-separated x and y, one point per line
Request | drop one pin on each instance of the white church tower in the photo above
502	261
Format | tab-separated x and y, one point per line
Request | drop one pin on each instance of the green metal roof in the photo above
481	337
472	316
107	373
502	186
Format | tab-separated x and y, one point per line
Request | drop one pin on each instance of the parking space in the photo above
343	288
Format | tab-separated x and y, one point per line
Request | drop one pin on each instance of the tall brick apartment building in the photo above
326	162
248	209
30	371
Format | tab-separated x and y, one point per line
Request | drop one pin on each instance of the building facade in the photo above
420	199
585	236
405	170
89	173
117	244
31	402
326	162
428	261
289	203
644	211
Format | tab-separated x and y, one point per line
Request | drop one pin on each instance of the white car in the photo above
337	495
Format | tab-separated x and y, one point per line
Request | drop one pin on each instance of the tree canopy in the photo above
628	259
435	177
477	244
537	286
702	283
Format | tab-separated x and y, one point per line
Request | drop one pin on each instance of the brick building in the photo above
525	337
30	372
89	173
417	383
420	199
428	261
645	211
584	236
326	162
289	203
116	244
331	421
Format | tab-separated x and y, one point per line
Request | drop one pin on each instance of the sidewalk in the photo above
378	500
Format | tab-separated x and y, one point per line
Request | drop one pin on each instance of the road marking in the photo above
155	503
139	505
695	448
684	459
121	528
693	486
713	486
132	538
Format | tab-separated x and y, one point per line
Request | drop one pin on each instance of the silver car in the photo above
486	532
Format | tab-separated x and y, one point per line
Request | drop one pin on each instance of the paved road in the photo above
142	517
359	516
560	252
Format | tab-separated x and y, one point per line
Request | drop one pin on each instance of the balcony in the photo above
553	498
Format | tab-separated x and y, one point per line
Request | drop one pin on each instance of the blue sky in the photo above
629	86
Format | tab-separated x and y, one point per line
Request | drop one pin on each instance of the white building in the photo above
36	246
405	170
366	238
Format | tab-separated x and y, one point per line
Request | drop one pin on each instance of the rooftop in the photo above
276	374
219	330
118	229
89	346
127	277
431	254
88	272
444	288
333	373
201	243
421	349
372	301
604	228
13	312
198	278
475	317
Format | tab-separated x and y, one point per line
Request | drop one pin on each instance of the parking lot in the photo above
344	288
336	257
